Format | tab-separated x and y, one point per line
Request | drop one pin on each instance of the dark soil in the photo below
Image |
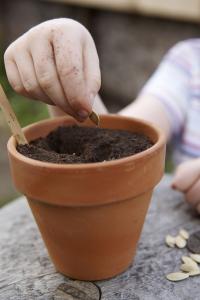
74	144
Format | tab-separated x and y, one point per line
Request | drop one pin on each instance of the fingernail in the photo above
173	186
83	114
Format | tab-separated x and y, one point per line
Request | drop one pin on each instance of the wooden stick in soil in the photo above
11	118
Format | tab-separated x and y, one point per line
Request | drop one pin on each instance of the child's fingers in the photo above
13	75
186	175
69	63
27	73
46	73
56	62
193	194
92	69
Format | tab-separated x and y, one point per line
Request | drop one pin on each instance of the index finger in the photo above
45	68
69	64
186	175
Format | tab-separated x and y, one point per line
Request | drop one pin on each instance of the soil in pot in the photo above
75	144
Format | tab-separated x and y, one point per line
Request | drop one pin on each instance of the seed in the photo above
188	268
177	276
195	257
184	234
194	273
180	242
170	241
94	118
188	261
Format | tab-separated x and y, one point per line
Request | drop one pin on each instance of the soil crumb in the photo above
74	144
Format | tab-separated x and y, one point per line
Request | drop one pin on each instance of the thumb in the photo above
186	175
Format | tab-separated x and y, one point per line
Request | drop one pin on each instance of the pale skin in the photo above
56	62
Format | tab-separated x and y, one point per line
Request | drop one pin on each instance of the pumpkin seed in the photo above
177	276
180	242
94	117
188	261
195	257
184	234
194	273
170	241
188	268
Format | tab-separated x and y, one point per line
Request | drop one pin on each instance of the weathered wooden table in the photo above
26	273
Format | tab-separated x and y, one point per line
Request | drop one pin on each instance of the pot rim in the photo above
11	145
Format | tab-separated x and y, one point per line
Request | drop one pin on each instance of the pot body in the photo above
93	242
90	215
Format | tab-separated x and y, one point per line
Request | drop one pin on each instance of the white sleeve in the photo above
170	84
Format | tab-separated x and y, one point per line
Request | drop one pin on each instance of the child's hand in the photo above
187	180
56	62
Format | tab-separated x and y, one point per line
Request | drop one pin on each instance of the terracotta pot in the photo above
90	215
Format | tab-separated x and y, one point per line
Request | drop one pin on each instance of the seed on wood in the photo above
180	242
194	273
184	234
177	276
94	118
195	257
188	268
170	241
188	261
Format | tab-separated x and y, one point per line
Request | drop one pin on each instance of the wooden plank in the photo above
175	9
26	272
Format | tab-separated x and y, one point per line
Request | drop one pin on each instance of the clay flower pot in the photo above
90	215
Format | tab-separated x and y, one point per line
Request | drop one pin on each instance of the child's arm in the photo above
164	101
165	97
149	108
56	62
